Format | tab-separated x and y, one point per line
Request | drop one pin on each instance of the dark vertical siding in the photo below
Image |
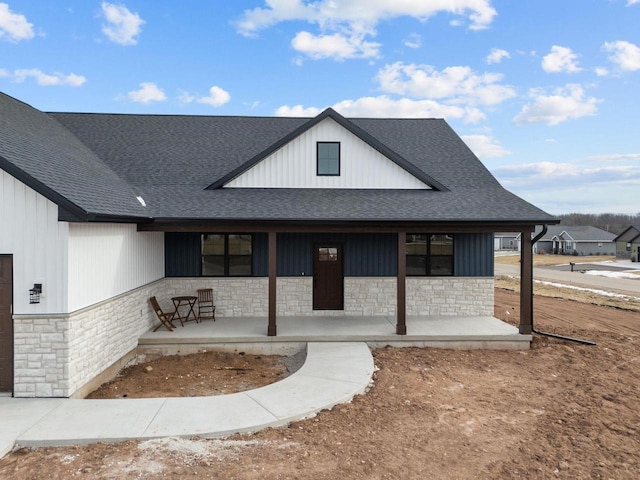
473	255
182	254
260	250
365	255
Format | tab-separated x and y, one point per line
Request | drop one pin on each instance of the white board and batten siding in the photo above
108	259
30	231
78	264
294	165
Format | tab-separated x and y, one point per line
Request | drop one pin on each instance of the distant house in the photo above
628	244
505	241
279	216
580	240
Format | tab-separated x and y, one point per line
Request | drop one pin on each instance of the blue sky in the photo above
545	92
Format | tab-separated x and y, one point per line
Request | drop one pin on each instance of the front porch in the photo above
250	334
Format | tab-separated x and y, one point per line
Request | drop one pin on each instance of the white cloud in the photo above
217	97
561	59
614	157
563	104
186	97
625	54
562	174
497	55
297	111
459	84
123	25
632	2
336	46
328	13
48	80
553	186
384	106
413	40
149	92
14	26
484	146
601	71
345	25
453	93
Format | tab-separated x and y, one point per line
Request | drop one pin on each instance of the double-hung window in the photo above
429	255
328	158
226	255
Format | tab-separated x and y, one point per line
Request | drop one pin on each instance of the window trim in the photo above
226	256
318	159
428	256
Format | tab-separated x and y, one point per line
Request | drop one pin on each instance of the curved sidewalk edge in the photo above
332	373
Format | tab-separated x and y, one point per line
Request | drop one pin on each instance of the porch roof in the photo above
309	205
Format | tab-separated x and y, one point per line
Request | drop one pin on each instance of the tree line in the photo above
615	223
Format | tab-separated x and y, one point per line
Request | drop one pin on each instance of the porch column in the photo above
401	310
526	284
271	331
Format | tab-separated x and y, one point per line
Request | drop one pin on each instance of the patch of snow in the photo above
610	274
590	290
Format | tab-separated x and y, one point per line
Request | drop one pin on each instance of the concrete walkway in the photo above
332	373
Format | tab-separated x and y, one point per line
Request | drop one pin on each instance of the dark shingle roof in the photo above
577	233
40	152
100	162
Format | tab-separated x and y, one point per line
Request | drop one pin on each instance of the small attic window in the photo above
328	158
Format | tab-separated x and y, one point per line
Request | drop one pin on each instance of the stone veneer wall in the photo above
450	296
56	355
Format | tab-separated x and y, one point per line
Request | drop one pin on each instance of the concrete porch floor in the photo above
250	333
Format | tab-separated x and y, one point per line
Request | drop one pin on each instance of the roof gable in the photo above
290	162
630	234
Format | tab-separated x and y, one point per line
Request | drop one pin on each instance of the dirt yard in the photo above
197	375
559	410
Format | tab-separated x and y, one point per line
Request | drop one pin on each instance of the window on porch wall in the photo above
429	255
226	255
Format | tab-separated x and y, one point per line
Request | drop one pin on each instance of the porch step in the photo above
250	334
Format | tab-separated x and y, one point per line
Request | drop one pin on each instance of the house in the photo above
628	244
280	216
505	241
574	240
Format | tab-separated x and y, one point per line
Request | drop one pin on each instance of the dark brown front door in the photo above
328	280
6	323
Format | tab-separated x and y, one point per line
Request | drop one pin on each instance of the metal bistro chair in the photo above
165	318
206	308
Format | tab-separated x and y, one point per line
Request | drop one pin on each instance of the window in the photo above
328	254
226	255
328	158
430	255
